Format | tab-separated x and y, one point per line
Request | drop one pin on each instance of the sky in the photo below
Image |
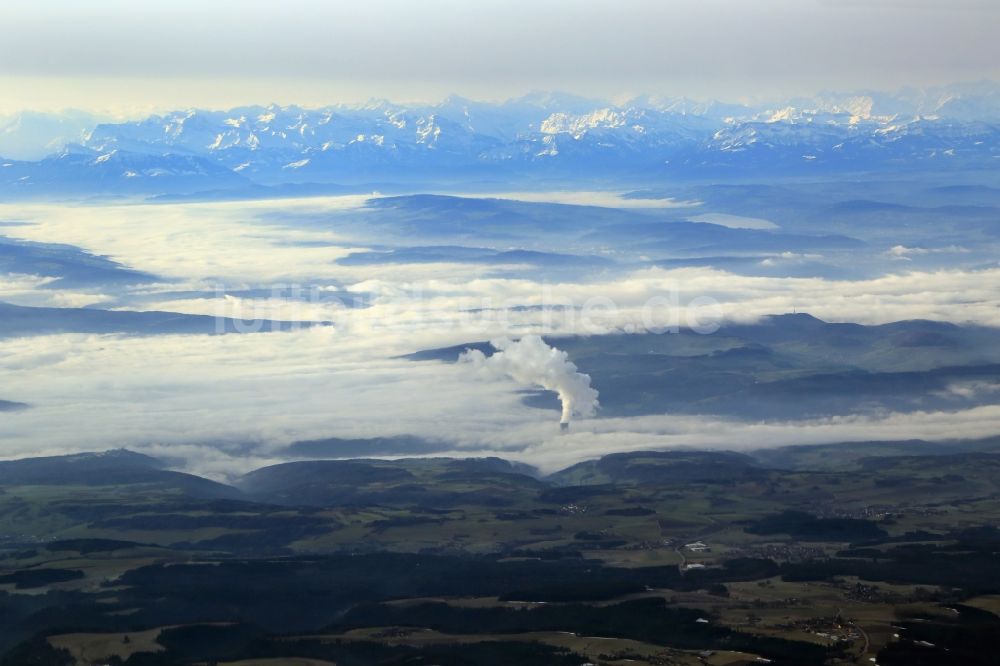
128	58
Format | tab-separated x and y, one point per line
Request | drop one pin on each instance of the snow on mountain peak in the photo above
787	114
105	157
336	143
558	123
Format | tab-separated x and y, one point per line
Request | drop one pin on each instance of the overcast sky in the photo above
123	55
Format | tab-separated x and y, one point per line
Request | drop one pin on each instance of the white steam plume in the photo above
531	361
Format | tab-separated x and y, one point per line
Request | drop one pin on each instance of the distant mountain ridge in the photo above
413	480
790	366
541	134
119	466
22	320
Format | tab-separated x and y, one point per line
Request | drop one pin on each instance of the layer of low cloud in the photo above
227	404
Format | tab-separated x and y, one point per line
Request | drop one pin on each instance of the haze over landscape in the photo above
124	58
673	325
401	228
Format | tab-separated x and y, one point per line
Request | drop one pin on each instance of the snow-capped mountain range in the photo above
541	134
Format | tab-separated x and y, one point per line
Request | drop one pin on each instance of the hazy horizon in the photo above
125	60
773	102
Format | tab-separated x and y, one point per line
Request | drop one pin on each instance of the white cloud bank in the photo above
229	403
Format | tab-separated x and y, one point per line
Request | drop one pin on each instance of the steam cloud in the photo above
531	361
